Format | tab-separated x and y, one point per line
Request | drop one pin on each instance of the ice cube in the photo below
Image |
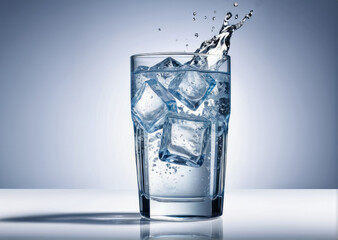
166	70
150	105
166	64
191	87
142	68
185	139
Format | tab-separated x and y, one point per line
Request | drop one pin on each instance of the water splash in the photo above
219	44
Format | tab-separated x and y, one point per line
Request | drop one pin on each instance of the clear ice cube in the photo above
166	70
166	64
142	68
185	139
191	87
150	105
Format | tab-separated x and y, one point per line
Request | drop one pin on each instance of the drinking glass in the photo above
180	110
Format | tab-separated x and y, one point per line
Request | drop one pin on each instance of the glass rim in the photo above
159	54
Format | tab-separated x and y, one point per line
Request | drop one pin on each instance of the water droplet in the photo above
213	18
182	175
250	13
213	28
187	45
193	18
235	4
205	17
236	16
194	13
196	34
228	16
159	29
214	11
176	40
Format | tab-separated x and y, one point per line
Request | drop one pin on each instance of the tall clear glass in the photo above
180	114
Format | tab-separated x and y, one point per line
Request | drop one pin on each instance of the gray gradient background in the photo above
64	89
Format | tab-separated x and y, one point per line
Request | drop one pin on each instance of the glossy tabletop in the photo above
104	214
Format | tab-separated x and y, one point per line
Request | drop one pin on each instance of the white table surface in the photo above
103	214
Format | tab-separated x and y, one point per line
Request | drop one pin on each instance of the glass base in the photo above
180	209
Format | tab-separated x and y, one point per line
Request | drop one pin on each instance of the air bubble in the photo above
158	135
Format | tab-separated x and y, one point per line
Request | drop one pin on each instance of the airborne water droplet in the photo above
196	34
205	17
214	11
235	4
187	45
213	28
159	29
193	18
194	13
236	16
213	18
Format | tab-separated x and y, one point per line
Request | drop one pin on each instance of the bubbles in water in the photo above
194	13
235	4
196	34
236	16
205	17
158	135
159	29
213	18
